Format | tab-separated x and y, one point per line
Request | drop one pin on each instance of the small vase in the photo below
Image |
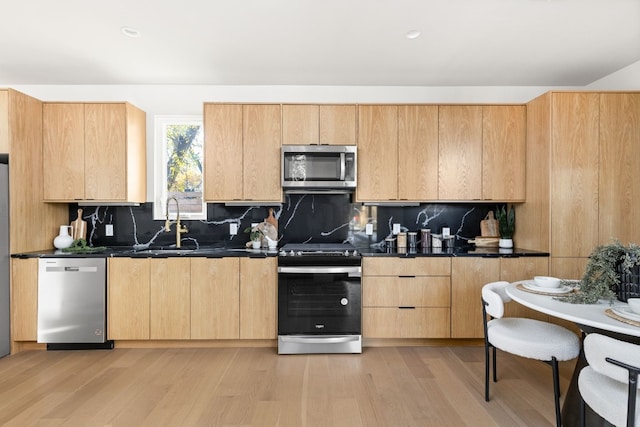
505	243
256	244
64	239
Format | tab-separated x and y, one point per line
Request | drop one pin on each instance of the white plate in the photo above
533	287
626	312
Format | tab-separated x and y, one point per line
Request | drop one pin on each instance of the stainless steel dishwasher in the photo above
72	303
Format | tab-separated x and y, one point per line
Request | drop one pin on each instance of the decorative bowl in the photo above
546	281
634	304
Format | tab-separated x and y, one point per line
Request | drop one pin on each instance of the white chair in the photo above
529	338
609	384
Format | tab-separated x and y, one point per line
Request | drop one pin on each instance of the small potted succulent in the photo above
255	234
506	225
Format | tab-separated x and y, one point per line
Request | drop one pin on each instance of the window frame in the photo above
160	165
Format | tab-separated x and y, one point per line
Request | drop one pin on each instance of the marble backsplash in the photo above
301	219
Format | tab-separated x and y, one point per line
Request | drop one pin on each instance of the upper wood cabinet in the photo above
503	152
242	152
460	155
397	153
318	124
94	152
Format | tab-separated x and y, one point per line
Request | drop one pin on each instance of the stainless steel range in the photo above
319	299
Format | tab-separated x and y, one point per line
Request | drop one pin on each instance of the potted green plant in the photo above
255	235
602	276
506	225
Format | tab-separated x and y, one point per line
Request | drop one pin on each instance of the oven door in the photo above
321	300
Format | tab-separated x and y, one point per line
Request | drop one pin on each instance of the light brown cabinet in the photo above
397	153
170	299
24	299
94	152
4	121
129	296
318	124
258	298
470	274
406	298
460	155
215	302
581	156
503	152
242	152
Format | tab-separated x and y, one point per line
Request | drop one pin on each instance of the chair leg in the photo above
495	369
556	390
486	371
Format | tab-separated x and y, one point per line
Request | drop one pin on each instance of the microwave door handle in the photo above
342	166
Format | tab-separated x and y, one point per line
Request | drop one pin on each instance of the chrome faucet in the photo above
167	224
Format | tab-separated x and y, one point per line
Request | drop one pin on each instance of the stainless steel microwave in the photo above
319	167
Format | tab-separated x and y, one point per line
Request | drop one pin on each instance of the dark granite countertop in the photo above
459	251
161	252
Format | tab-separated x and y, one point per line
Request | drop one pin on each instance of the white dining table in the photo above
592	315
589	318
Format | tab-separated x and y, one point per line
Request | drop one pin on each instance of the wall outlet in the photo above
233	228
396	228
108	230
368	229
446	232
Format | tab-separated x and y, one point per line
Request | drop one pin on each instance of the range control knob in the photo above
292	253
344	301
346	253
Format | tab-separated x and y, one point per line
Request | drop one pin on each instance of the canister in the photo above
402	240
425	238
412	239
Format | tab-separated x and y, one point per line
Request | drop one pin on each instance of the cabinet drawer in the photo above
394	266
397	291
405	323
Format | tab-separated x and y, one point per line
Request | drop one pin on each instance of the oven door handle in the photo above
351	271
319	339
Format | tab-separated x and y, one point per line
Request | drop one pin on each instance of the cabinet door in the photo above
261	159
338	124
105	156
128	296
460	155
258	298
300	124
468	276
417	152
223	152
574	174
24	299
377	152
618	190
170	301
503	152
63	151
215	300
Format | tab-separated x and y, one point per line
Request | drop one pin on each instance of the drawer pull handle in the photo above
406	308
407	277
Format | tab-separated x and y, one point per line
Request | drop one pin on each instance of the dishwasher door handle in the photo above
72	269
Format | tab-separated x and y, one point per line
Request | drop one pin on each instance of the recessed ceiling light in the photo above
130	32
413	34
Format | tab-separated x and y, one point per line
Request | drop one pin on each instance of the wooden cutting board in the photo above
79	227
485	242
489	225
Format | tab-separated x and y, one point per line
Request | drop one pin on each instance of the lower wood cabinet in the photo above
406	297
470	274
24	299
180	298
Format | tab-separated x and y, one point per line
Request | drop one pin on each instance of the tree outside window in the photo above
179	151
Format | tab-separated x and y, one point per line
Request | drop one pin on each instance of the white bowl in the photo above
634	304
546	281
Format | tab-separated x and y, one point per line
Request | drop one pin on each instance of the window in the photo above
178	167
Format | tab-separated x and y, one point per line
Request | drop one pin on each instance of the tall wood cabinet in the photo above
397	152
34	223
318	124
242	152
94	151
581	152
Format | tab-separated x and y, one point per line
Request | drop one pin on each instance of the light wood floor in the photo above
384	386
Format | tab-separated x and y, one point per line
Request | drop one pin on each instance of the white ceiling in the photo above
318	42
